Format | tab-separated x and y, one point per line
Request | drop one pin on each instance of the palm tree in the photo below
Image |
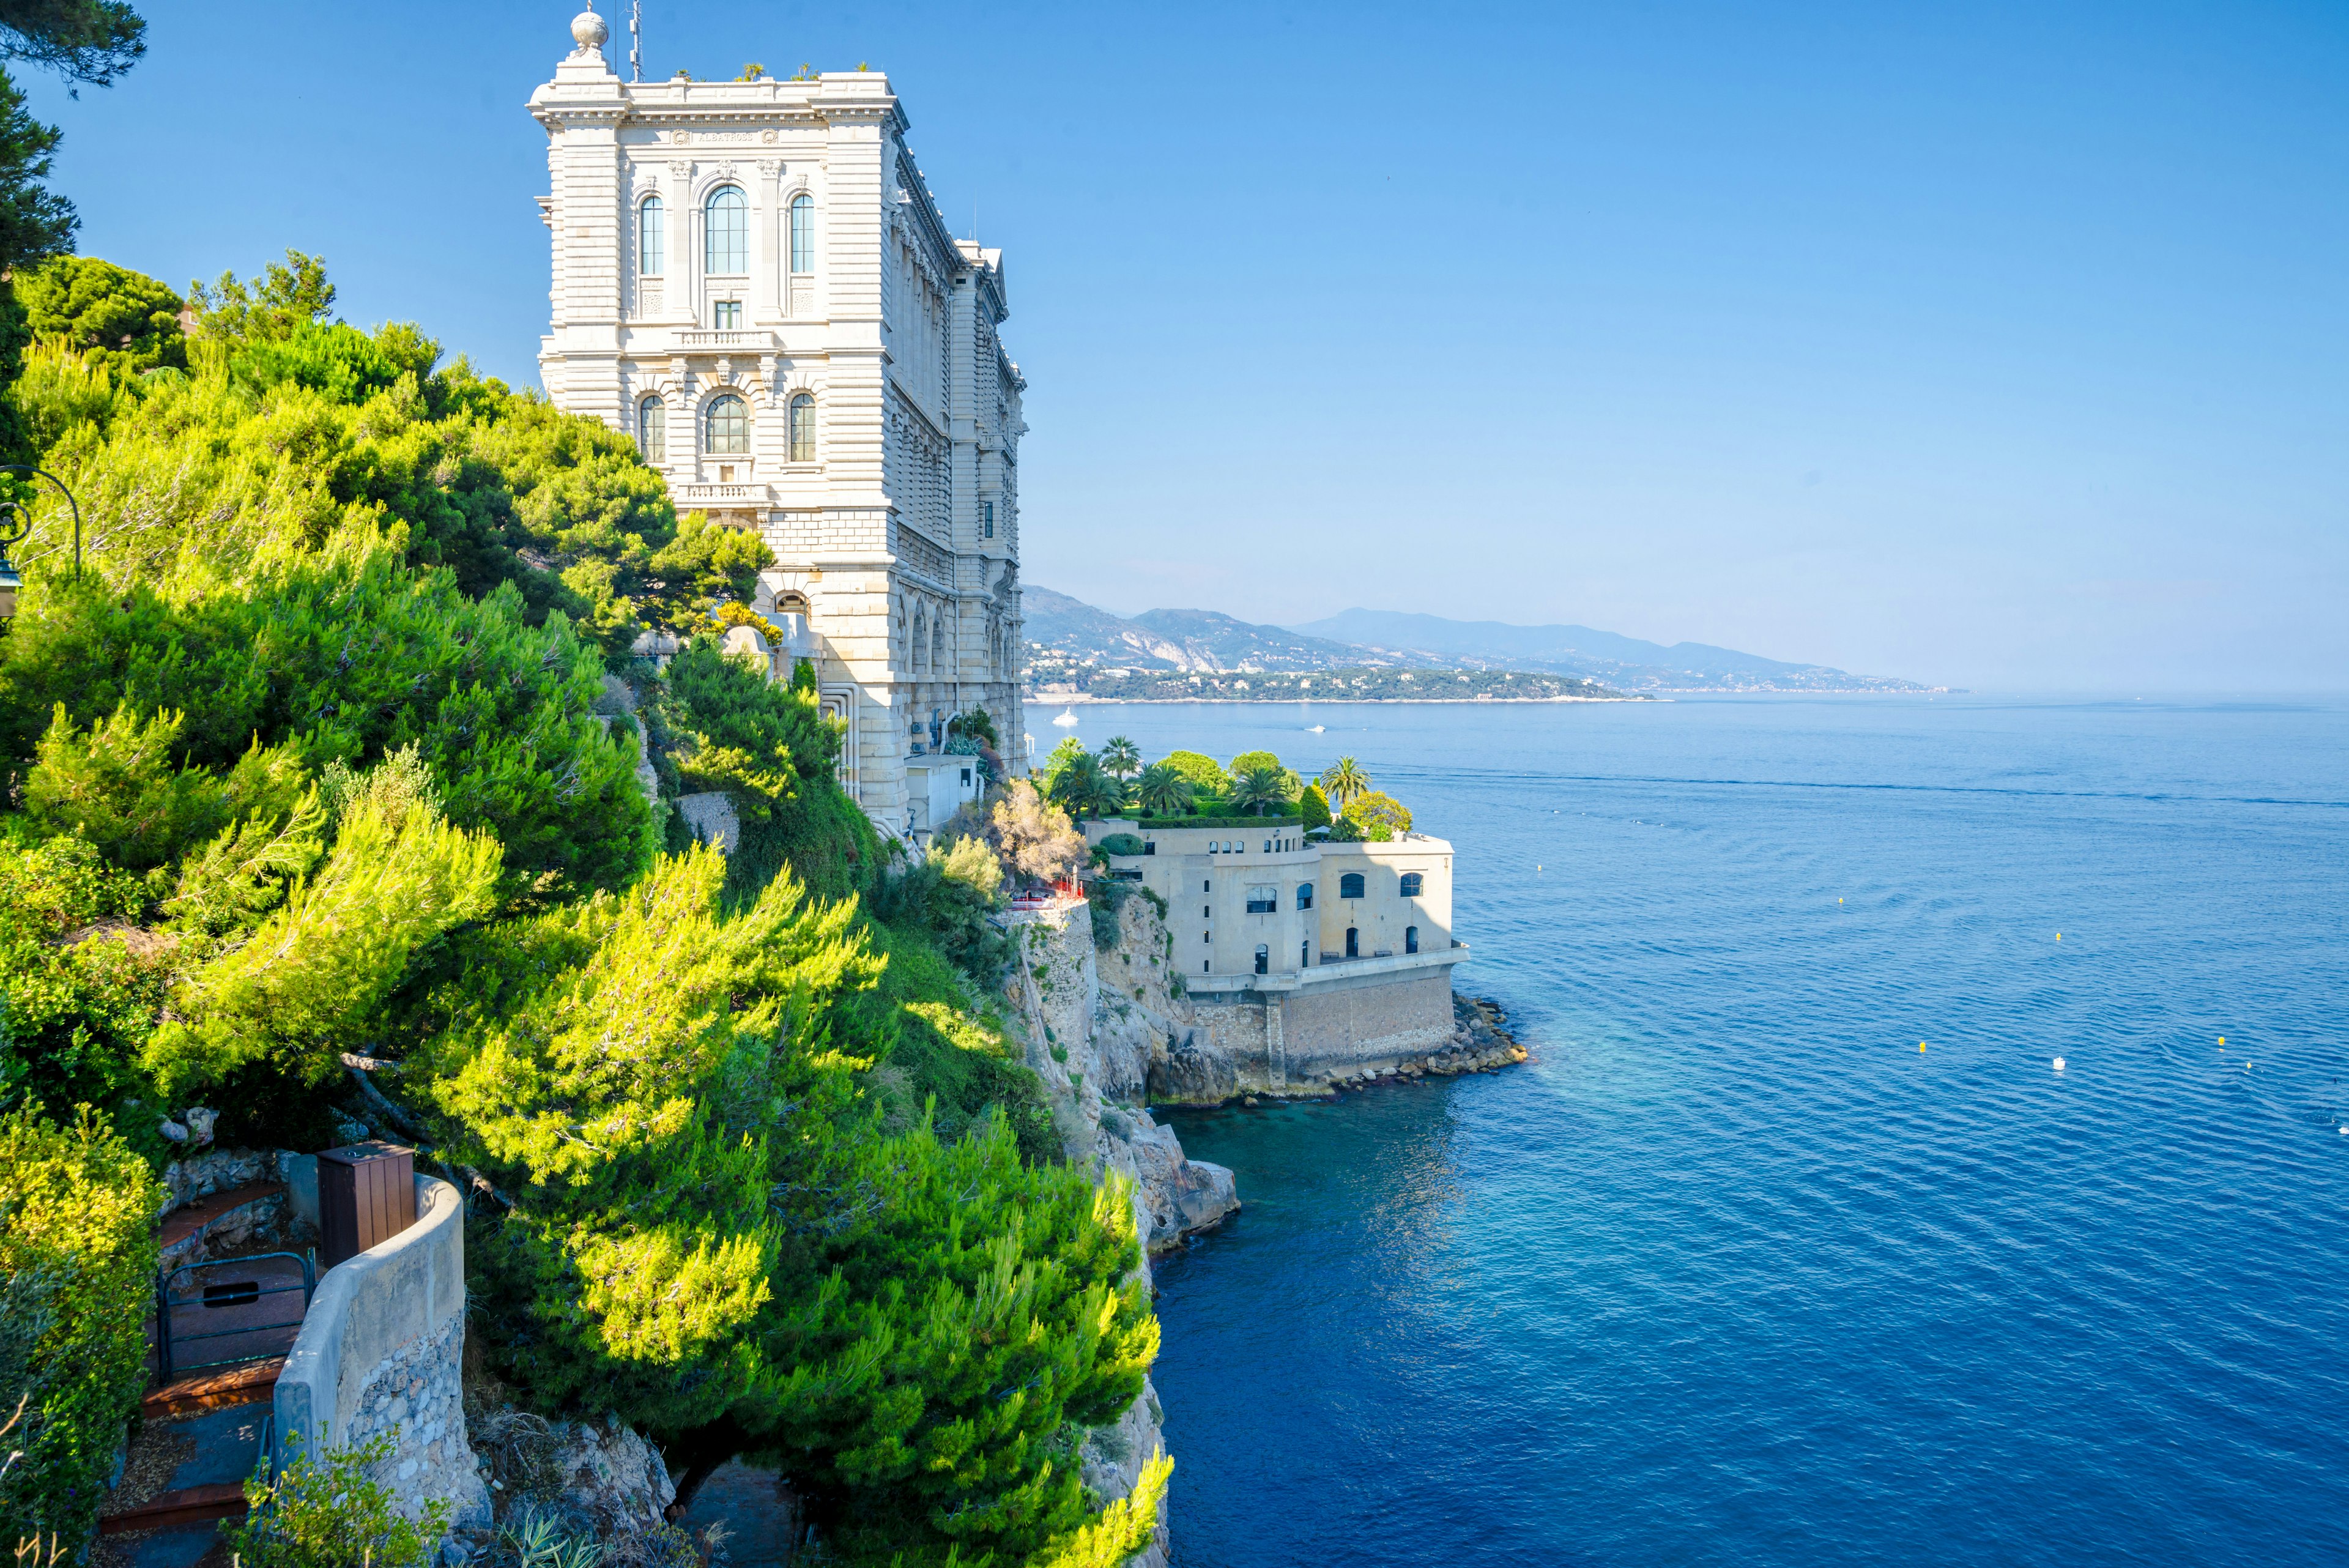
1259	788
1164	789
1341	781
1121	758
1082	789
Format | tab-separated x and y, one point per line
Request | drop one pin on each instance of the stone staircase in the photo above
205	1429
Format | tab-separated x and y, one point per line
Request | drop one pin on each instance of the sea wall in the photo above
382	1350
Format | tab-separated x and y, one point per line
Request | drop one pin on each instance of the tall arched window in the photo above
1350	886
652	429
729	423
652	237
1305	895
802	428
921	637
1411	938
727	243
939	644
1411	884
804	232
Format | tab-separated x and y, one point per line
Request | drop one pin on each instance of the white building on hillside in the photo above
752	278
1314	959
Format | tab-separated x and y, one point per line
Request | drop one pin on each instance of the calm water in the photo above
1732	1273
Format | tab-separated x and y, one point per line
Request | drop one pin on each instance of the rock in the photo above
200	1123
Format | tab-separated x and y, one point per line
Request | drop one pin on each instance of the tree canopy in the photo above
332	754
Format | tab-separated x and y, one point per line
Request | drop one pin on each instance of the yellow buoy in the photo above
2059	936
1920	1047
2222	1038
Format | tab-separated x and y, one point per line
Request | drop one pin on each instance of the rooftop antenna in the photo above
636	40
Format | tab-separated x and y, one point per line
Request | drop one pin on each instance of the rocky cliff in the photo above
1093	1044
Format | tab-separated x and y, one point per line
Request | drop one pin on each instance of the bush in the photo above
1378	817
75	1011
77	1273
1313	807
333	1515
947	895
1205	774
1123	843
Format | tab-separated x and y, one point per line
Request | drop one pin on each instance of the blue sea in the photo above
1732	1272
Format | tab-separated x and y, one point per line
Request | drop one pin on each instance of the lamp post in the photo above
15	525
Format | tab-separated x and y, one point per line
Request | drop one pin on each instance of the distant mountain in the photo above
1622	661
1071	640
1074	633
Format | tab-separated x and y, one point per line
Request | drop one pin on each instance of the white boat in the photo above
1068	716
1315	729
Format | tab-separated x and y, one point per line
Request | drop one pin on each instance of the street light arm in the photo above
7	539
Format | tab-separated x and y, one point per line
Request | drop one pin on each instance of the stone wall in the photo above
381	1350
1341	1028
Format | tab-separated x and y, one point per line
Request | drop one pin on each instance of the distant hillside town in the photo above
1077	650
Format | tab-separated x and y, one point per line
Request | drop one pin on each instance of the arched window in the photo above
1305	953
1350	886
1353	943
729	426
1263	960
1305	895
921	637
652	429
1411	938
652	237
939	644
802	428
725	245
1412	883
804	232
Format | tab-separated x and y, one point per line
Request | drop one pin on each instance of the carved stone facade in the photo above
753	280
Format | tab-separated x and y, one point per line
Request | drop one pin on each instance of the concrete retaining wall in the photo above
381	1349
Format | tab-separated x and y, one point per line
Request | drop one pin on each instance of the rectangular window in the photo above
1263	901
986	519
803	233
726	314
652	238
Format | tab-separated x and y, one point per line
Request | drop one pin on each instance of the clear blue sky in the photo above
2000	346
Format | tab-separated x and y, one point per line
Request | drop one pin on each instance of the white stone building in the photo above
1312	959
752	278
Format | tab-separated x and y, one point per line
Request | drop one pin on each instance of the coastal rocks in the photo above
1112	1458
1089	1017
597	1479
1479	1044
1089	1037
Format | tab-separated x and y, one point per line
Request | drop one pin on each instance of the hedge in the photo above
77	1270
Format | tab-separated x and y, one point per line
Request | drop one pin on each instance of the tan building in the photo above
1323	957
753	279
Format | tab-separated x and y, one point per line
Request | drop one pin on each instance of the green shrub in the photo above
1205	774
120	318
76	1271
1313	807
73	1012
333	1514
1378	815
1123	843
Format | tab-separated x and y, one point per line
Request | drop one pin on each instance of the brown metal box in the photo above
367	1194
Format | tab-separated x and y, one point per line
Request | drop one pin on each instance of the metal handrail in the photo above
166	1366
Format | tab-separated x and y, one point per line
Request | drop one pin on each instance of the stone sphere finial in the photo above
588	30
